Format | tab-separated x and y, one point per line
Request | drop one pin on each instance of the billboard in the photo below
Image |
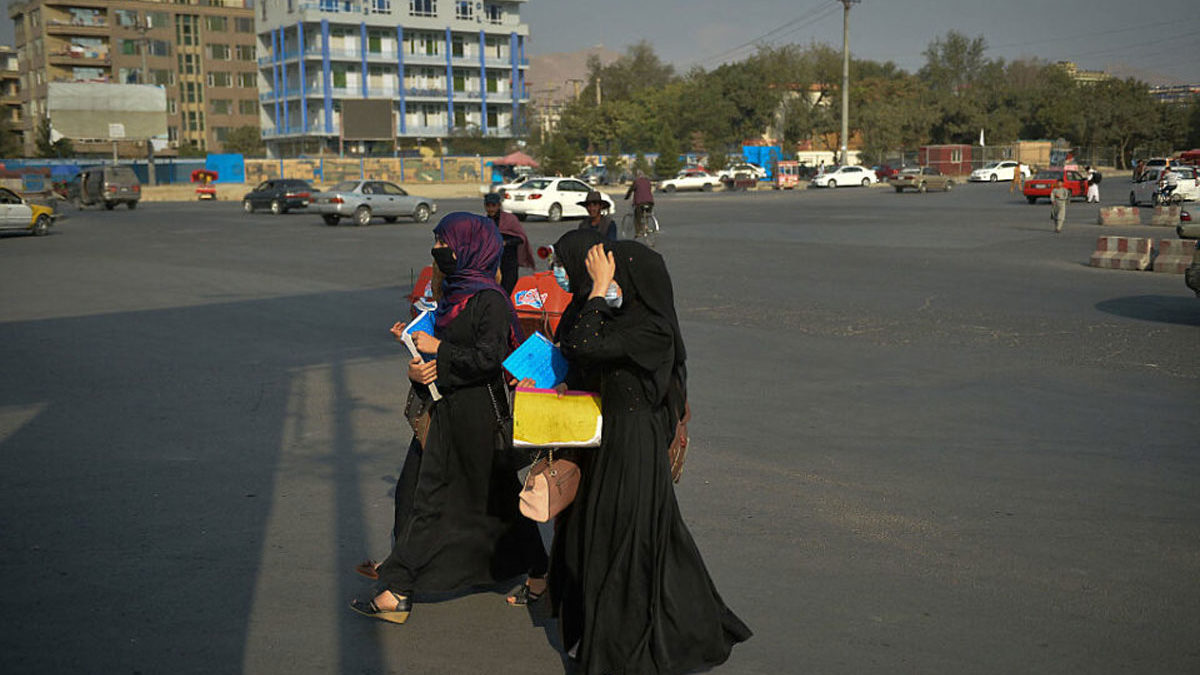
368	119
106	112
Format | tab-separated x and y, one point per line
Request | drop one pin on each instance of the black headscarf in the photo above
571	251
648	296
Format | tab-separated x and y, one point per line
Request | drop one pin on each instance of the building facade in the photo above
10	90
201	51
447	66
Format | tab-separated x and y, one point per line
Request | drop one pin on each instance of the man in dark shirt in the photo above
517	252
643	200
597	218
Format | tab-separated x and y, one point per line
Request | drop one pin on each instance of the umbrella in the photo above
517	159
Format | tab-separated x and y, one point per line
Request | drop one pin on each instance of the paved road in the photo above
928	438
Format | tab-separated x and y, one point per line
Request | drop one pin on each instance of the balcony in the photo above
79	58
424	92
61	27
426	131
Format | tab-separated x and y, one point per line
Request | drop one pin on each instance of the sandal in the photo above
523	596
368	568
398	615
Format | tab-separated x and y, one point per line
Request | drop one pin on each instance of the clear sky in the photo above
1142	38
1150	37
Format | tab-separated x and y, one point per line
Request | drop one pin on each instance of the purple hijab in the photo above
477	245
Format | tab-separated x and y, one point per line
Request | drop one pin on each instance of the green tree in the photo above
559	157
245	140
48	148
10	141
667	164
717	159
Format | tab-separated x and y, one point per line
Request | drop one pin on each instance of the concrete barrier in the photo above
1174	255
1165	216
1122	253
1120	215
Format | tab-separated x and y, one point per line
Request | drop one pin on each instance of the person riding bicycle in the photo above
643	200
1168	182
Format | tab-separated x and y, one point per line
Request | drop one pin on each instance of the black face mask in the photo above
444	259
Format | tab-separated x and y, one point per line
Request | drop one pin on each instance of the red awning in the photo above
517	159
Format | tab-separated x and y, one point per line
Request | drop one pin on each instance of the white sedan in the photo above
755	170
844	176
1143	190
551	198
690	180
997	171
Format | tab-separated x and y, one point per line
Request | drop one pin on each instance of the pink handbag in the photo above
549	488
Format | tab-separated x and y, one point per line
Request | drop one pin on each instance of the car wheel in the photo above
949	185
110	205
131	205
330	219
899	190
389	219
1132	199
276	207
554	214
669	188
41	226
247	207
362	216
831	184
1031	200
993	178
707	187
866	182
421	213
922	188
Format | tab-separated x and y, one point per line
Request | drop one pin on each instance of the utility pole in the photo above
576	82
597	92
846	77
144	46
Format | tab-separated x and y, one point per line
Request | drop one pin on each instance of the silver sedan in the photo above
362	200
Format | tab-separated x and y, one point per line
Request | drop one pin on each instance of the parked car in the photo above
843	176
107	185
1142	191
690	180
596	174
16	213
1191	276
729	173
280	195
551	198
884	172
921	179
997	171
1040	185
362	200
515	183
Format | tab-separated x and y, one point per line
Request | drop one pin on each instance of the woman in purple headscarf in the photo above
457	520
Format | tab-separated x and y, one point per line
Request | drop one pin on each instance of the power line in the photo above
808	17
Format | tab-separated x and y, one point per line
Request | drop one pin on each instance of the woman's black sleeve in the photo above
463	365
593	341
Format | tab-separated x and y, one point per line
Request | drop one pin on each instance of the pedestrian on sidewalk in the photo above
1093	186
1060	196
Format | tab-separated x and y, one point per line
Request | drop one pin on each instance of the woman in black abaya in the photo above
627	581
457	519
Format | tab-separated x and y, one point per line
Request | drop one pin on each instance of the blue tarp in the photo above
230	168
763	155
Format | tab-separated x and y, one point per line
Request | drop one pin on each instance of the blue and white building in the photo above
446	65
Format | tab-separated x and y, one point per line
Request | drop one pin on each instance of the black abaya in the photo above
627	580
457	520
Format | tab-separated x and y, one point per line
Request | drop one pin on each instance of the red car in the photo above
884	172
1041	184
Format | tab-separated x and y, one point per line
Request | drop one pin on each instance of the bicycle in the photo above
646	231
1162	197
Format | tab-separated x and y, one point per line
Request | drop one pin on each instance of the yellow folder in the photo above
542	419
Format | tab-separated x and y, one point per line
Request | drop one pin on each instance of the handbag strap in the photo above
495	405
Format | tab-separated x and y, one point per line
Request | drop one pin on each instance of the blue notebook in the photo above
538	359
423	324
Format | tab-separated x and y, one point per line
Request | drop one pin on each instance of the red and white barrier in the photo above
1122	253
1165	216
1120	215
1174	255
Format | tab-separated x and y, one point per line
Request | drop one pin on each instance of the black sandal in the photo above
523	596
398	615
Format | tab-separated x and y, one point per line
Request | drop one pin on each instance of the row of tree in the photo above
794	90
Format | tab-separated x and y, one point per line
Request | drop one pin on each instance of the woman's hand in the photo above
601	267
561	388
422	372
398	329
527	383
426	343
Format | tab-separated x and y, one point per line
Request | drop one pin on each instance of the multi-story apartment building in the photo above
446	65
202	51
10	90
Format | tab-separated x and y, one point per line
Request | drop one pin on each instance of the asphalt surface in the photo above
928	438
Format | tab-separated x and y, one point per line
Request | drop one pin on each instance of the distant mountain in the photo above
550	75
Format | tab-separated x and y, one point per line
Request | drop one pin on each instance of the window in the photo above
492	86
221	106
187	64
220	79
243	25
221	134
172	107
492	117
245	52
456	46
464	9
160	48
193	120
126	18
956	155
381	6
495	14
219	52
422	7
129	47
247	79
374	43
173	133
460	81
216	24
156	19
193	92
185	29
162	77
339	78
247	107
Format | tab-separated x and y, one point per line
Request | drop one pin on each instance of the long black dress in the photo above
627	580
457	520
